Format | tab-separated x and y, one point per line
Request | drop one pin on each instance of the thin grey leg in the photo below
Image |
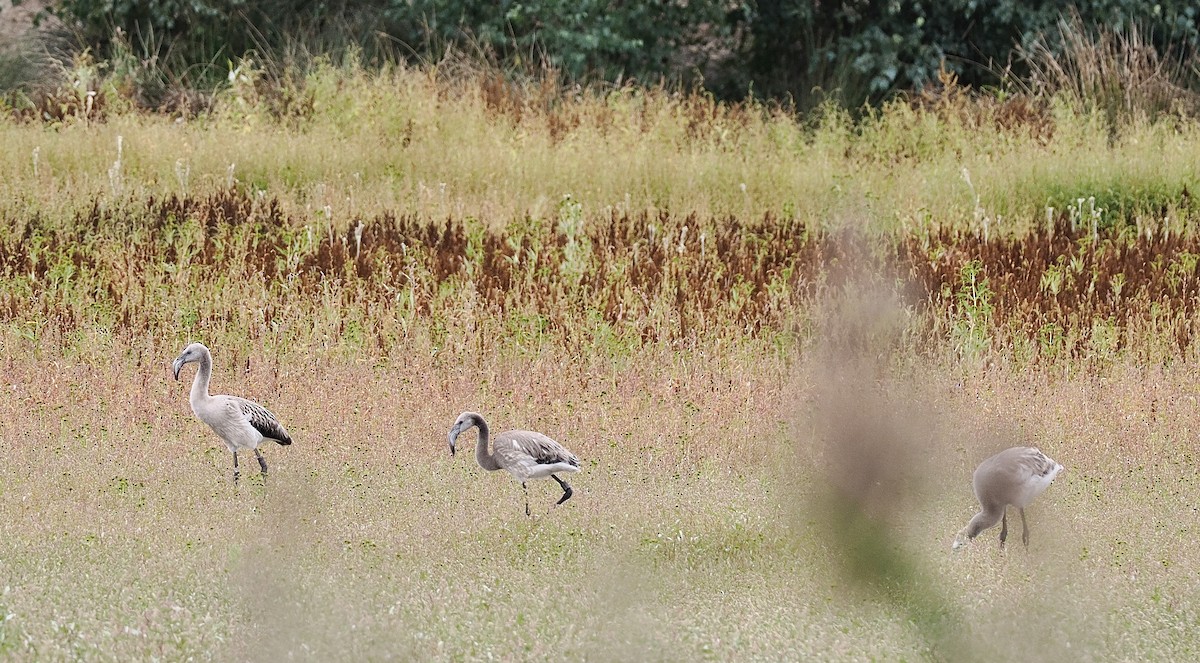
1004	527
524	488
236	472
1024	529
262	462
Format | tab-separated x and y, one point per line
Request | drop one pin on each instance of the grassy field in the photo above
710	521
779	345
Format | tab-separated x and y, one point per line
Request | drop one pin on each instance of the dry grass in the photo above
692	534
437	145
121	502
1117	72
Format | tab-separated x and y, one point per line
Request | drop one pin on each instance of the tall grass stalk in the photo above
1116	73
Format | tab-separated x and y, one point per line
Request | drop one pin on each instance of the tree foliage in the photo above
584	38
805	50
866	49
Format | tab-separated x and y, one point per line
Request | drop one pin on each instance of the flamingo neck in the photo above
984	519
200	382
482	456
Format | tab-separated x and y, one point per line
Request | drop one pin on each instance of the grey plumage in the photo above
524	454
1014	476
263	420
242	424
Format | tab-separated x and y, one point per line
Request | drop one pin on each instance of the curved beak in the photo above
453	437
176	366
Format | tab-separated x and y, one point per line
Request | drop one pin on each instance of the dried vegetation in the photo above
1070	291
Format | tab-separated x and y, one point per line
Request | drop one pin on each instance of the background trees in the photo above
803	52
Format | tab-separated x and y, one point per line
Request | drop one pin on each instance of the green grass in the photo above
435	146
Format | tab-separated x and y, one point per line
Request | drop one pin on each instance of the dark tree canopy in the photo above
854	51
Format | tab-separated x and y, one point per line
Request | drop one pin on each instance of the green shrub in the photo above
583	38
860	50
852	51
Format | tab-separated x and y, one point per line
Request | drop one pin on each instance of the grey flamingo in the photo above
1014	476
525	454
242	424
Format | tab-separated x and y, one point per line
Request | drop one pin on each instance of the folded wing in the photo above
264	421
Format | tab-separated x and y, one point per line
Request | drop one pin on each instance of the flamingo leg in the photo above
526	489
262	462
1004	527
236	472
567	492
1024	529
